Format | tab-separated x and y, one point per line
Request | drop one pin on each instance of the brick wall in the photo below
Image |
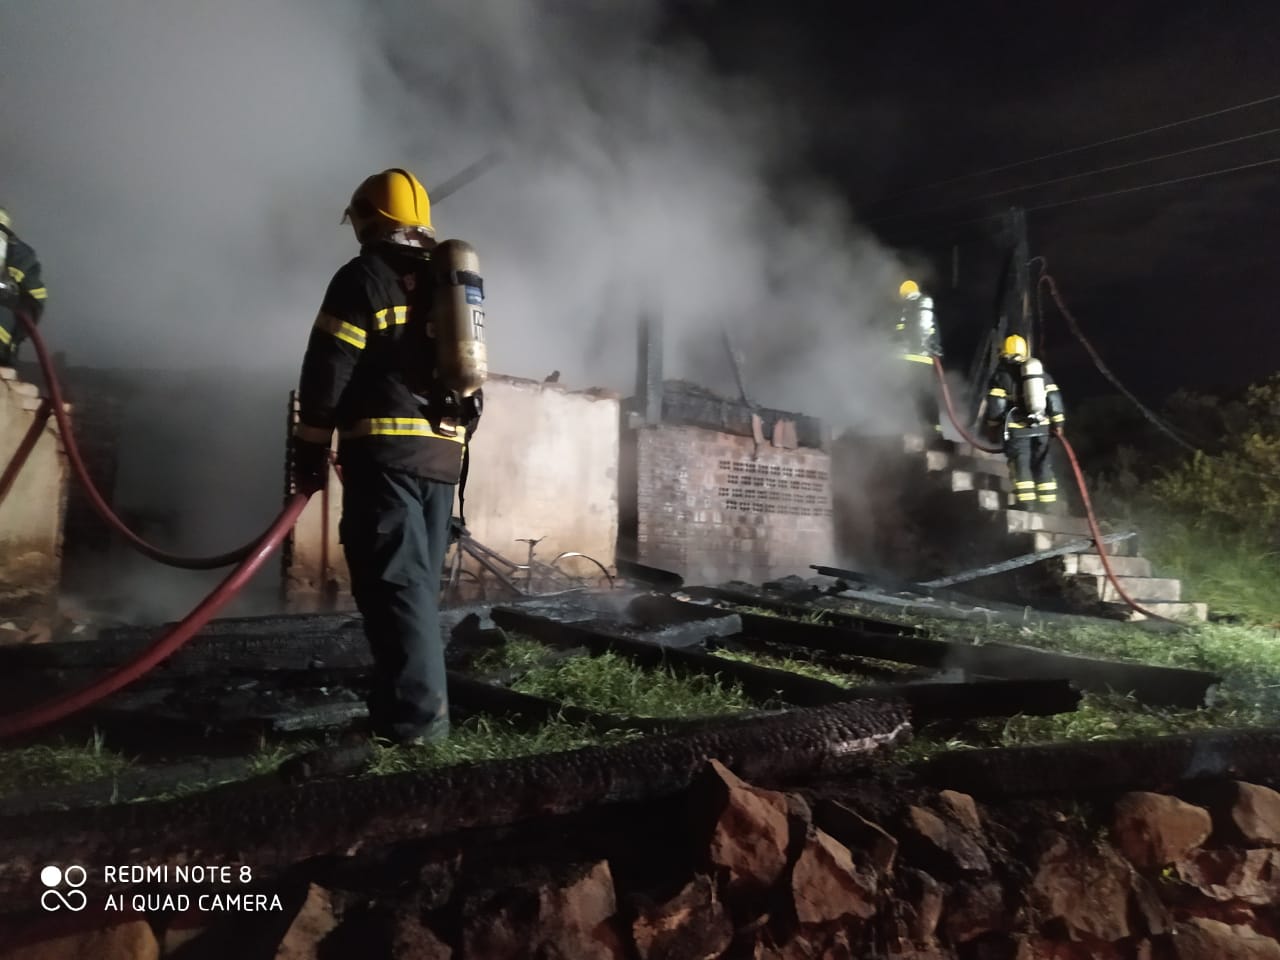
712	507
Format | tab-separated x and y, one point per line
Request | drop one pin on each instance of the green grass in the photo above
42	766
517	653
484	738
1237	575
804	668
612	684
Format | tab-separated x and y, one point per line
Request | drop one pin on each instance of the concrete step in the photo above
961	480
1091	564
1155	589
1024	521
1045	540
1183	610
946	460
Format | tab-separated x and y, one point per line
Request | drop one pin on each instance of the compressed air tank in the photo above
457	317
1033	392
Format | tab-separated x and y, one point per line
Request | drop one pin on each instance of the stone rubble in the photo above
749	872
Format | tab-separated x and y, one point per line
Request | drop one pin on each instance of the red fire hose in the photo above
951	412
63	706
1079	475
99	504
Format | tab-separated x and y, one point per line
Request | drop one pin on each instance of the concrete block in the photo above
1163	589
938	460
990	499
1022	521
24	389
8	373
1175	611
1091	564
960	480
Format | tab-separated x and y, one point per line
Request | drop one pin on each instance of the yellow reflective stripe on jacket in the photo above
1057	418
1050	388
5	338
917	358
997	392
322	435
399	316
39	293
17	274
346	332
402	427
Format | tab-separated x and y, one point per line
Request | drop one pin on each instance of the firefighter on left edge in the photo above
371	372
20	289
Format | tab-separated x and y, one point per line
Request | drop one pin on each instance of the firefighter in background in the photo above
20	289
371	371
1026	404
918	343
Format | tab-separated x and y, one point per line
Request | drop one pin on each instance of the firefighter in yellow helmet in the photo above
371	372
917	344
21	289
1025	404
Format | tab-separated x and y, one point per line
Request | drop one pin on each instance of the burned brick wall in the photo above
717	506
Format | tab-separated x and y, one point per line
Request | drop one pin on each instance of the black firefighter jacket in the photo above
369	371
23	269
1005	399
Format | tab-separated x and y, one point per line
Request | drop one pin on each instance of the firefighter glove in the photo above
310	466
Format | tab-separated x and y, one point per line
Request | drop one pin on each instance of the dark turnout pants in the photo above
1031	470
395	532
922	381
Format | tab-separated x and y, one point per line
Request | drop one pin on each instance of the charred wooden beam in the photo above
1160	686
1149	763
765	684
273	829
300	650
794	606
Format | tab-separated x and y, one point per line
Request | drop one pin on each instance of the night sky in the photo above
1175	284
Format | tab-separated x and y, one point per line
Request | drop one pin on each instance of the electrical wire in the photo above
1154	419
1046	280
1128	164
1111	193
1088	146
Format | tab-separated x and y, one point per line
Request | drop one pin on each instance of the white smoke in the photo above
181	169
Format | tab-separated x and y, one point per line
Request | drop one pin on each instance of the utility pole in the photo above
649	368
1013	308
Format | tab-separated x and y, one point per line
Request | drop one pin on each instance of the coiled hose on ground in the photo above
1080	484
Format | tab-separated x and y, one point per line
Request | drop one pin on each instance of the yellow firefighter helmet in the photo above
387	200
1014	348
908	288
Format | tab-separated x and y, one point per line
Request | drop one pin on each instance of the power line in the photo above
1152	186
1114	193
1078	176
1087	146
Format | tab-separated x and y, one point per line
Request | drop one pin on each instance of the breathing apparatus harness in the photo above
457	356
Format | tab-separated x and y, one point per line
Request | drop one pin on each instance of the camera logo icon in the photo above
53	878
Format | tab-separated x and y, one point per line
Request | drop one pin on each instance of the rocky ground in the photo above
871	867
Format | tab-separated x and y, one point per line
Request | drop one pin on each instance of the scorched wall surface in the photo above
713	507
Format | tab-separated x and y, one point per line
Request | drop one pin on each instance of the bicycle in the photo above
531	578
